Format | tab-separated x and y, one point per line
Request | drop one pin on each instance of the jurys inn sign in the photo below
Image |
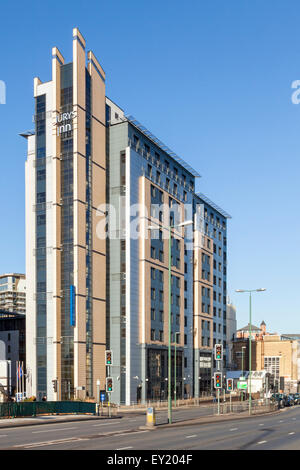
64	122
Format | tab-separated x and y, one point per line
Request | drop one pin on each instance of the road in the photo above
268	432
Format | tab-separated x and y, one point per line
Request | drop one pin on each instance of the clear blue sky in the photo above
212	79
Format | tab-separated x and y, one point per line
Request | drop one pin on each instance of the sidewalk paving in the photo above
49	419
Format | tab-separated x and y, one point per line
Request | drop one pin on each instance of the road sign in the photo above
242	385
102	395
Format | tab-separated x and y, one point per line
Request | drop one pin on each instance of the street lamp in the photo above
243	347
169	228
175	358
261	289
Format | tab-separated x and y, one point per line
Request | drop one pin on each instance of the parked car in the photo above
296	397
280	398
290	400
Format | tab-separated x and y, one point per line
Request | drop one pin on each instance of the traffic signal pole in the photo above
218	367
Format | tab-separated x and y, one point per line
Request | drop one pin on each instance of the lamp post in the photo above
169	228
175	358
243	347
262	289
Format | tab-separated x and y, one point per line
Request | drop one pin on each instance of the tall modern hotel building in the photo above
110	213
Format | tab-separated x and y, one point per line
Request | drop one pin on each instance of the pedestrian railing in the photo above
35	408
257	407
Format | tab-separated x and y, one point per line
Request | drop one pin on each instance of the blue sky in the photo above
211	79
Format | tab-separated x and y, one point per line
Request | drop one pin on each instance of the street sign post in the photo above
218	386
230	385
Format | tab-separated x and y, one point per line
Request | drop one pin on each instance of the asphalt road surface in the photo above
269	432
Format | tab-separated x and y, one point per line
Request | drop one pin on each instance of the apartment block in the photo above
116	247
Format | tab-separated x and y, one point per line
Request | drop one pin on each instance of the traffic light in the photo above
218	380
218	352
54	383
229	385
108	358
109	384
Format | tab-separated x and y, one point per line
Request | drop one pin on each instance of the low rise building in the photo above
13	293
256	333
279	357
12	345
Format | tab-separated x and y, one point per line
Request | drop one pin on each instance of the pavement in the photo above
39	420
183	416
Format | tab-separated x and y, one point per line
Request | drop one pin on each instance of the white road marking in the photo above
51	443
3	435
261	442
262	424
124	448
189	437
233	429
290	433
54	430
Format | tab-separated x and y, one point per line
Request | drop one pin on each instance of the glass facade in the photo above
89	292
41	284
67	262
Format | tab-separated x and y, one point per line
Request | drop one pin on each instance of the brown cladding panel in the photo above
99	234
99	275
98	189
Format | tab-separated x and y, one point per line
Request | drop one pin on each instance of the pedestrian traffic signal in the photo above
54	383
218	380
109	384
108	358
229	385
218	352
